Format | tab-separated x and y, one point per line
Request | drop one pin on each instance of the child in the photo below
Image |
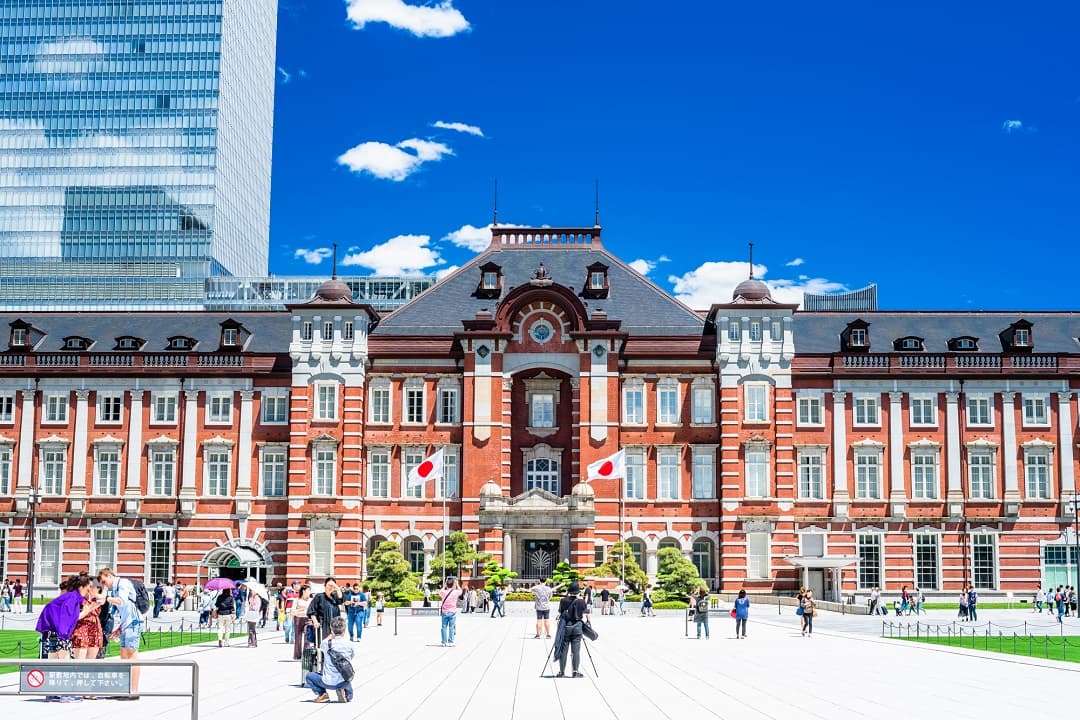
380	604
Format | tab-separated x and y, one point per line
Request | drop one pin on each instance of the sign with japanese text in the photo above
105	679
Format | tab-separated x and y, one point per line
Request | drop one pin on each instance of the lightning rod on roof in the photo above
333	271
596	220
751	260
495	204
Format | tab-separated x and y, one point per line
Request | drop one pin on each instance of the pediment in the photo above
537	498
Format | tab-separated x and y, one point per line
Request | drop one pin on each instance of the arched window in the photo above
373	543
668	542
637	550
543	473
702	557
414	553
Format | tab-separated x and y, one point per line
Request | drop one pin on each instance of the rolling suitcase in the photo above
311	658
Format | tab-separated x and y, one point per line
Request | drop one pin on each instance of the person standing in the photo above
331	677
496	602
586	595
225	609
325	607
571	618
300	621
542	593
354	612
87	638
6	597
605	601
17	595
253	613
59	619
646	602
809	606
875	595
962	613
742	614
288	601
365	605
380	605
449	597
159	598
1040	598
973	603
905	601
122	596
701	612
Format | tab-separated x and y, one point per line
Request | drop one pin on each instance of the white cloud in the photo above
644	266
391	162
795	263
286	76
314	256
470	237
401	255
459	127
1016	126
440	19
714	282
440	274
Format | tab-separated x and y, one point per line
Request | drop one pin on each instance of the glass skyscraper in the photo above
135	145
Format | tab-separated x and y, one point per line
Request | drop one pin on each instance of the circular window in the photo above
541	331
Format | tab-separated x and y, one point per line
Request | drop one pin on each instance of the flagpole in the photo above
622	531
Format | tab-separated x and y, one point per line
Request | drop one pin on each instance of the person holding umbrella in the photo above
224	608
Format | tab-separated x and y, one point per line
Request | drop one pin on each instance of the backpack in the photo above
703	605
342	663
142	597
573	612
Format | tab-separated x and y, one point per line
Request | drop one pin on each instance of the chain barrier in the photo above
1054	647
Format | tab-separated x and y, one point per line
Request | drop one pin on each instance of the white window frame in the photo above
159	407
878	540
758	564
106	399
537	403
217	460
327	331
864	468
276	402
634	388
750	484
936	543
1022	337
381	403
866	410
667	393
412	457
704	472
7	455
379	487
219	408
756	402
918	486
810	410
995	559
348	330
1035	459
324	469
99	450
636	480
273	459
668	473
976	460
7	408
55	534
973	416
917	419
307	330
98	536
550	480
56	408
810	460
703	403
734	331
321	562
449	399
165	539
858	337
52	456
159	467
414	388
1036	409
324	392
230	337
755	331
450	483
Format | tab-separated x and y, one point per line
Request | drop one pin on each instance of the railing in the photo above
922	361
866	361
112	361
978	361
221	361
1057	646
1034	361
56	360
909	362
545	236
12	360
165	360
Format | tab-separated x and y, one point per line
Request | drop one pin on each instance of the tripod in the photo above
551	653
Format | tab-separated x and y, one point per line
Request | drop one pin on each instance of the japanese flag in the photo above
609	468
430	469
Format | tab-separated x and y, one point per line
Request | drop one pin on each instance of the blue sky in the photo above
932	148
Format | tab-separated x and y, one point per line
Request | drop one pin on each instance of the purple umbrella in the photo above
220	583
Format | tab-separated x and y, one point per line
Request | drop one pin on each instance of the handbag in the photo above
588	632
342	663
799	610
732	612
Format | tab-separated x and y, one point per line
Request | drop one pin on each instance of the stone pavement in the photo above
646	668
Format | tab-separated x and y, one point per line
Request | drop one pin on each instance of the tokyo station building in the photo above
773	447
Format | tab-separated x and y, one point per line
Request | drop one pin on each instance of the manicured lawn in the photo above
1038	646
981	606
15	644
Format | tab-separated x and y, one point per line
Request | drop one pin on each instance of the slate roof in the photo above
642	307
271	332
819	333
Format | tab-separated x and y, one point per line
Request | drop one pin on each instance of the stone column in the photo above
133	482
78	453
896	491
26	444
840	453
190	441
507	551
243	459
565	549
1065	443
953	479
1008	449
651	564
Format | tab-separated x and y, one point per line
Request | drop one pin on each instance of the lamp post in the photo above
35	499
1074	508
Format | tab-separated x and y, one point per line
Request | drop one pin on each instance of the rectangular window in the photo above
273	472
667	474
810	476
164	408
755	331
812	544
926	561
325	464
322	552
775	332
757	555
984	561
491	280
326	401
703	405
229	337
110	409
635	475
56	408
734	332
596	281
448	486
104	549
868	475
5	471
1035	410
217	473
161	548
347	330
667	404
979	412
867	410
924	411
107	473
414	406
415	555
634	404
448	405
924	475
754	396
981	475
380	405
275	409
7	409
870	562
1021	337
810	410
219	409
757	473
411	459
857	338
1037	475
53	467
162	472
328	330
306	330
48	556
542	410
379	474
704	474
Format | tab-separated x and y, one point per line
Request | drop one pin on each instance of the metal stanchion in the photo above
395	622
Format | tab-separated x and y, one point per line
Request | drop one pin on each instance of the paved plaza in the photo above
645	667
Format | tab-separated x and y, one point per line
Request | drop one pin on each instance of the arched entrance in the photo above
238	560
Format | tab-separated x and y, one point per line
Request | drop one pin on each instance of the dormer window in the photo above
1018	337
597	282
1022	337
19	337
180	342
233	335
490	281
77	343
909	344
128	342
230	337
856	337
964	344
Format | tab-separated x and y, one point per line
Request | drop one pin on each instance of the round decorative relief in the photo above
541	331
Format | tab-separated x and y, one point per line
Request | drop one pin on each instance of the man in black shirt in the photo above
571	615
325	607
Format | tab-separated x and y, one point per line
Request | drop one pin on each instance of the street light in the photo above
1074	508
35	499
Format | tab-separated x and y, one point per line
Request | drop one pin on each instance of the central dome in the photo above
751	290
335	291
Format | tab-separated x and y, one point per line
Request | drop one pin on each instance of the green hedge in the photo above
670	605
520	597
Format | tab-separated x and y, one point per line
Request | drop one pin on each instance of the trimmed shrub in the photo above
670	605
520	597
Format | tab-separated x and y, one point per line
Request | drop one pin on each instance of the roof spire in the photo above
333	272
495	204
751	261
596	221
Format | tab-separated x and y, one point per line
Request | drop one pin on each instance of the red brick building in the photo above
773	447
